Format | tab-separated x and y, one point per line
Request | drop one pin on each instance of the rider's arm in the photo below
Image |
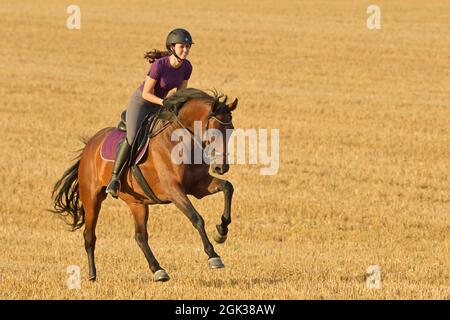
183	85
147	92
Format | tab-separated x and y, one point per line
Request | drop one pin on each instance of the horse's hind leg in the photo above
140	214
92	205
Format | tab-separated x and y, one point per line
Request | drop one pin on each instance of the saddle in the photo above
140	143
122	126
139	147
150	126
142	138
146	129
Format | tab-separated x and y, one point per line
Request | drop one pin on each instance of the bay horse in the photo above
81	190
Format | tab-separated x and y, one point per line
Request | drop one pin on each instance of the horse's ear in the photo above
233	105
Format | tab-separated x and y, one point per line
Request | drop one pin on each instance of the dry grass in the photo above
364	124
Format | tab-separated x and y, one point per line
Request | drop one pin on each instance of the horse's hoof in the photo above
215	263
93	278
161	275
218	237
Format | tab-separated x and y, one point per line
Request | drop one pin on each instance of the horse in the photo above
81	190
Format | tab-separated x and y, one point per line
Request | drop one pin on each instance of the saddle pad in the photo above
108	150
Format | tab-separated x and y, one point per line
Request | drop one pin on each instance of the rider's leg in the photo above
122	153
137	109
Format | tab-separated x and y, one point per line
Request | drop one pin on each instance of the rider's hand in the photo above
164	103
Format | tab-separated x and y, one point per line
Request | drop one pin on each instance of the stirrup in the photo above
113	188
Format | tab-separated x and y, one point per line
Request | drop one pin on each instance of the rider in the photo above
169	69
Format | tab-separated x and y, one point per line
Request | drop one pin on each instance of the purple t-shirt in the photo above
166	76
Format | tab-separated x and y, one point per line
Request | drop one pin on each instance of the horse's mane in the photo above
175	101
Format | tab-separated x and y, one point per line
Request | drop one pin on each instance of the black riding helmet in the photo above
178	36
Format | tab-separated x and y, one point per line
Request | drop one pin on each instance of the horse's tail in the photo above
66	197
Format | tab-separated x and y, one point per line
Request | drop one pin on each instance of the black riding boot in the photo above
122	154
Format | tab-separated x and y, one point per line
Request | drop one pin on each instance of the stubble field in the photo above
364	121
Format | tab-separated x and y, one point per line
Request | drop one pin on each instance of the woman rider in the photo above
168	70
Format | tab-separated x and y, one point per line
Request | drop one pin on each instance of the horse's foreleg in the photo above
140	214
222	229
182	202
212	186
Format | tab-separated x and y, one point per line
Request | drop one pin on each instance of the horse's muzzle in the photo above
220	168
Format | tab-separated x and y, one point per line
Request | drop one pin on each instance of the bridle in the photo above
206	151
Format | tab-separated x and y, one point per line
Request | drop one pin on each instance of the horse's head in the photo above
209	122
219	125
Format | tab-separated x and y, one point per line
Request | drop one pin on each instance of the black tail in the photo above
66	197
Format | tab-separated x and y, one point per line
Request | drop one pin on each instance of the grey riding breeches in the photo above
137	109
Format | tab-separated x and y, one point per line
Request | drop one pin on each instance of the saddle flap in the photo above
141	140
109	147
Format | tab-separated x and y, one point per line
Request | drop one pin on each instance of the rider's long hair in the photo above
151	56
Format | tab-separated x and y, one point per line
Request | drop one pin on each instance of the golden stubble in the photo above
364	148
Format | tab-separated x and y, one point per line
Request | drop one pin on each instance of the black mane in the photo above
175	101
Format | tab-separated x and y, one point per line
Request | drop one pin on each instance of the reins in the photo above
205	150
